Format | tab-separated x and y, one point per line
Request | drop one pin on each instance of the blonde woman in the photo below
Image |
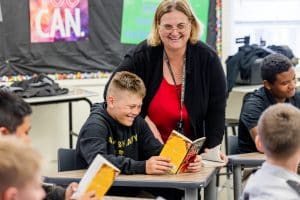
185	82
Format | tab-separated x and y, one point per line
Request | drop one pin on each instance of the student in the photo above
20	171
279	86
279	137
15	120
115	130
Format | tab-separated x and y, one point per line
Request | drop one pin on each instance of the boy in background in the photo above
279	86
20	171
279	138
15	119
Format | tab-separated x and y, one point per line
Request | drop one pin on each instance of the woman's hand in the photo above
221	154
223	157
154	129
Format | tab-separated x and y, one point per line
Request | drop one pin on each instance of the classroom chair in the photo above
66	159
232	145
233	124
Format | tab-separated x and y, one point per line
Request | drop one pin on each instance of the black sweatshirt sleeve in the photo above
94	140
215	118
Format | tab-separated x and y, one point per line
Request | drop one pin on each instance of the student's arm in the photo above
150	147
148	144
53	191
252	109
71	189
253	133
94	140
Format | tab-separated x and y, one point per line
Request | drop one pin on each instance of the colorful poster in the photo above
58	20
138	17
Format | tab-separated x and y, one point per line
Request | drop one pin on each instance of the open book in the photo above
99	177
181	150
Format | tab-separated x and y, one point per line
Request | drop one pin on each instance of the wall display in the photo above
58	20
70	36
138	16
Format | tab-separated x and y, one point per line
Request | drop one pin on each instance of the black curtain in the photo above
101	51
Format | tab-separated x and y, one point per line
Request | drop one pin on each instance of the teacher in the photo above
185	81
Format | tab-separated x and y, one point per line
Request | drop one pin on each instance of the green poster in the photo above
138	17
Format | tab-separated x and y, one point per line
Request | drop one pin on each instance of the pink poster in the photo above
58	20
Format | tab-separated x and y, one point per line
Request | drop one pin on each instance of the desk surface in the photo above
73	94
248	159
184	180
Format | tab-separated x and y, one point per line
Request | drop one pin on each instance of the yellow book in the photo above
181	150
99	177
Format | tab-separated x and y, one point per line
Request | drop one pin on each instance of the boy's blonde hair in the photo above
167	6
19	163
126	81
279	130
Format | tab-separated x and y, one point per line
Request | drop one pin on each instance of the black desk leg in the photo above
70	126
71	132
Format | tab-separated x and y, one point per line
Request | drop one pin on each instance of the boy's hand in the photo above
71	189
196	165
88	196
158	165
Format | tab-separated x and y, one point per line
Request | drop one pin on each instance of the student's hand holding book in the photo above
88	196
195	165
71	189
158	165
183	153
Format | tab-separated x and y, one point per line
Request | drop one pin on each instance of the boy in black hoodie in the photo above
115	130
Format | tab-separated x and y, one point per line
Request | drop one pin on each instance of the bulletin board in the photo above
69	36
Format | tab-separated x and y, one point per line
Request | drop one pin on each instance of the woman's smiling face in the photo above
174	30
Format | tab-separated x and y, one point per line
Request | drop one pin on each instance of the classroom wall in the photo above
50	122
50	125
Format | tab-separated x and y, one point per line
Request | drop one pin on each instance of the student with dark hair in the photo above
279	86
15	120
14	115
279	137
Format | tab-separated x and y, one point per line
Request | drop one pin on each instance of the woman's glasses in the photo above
168	28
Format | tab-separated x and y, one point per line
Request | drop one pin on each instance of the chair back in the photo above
66	159
232	144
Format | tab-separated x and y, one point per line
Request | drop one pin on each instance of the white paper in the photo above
213	154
